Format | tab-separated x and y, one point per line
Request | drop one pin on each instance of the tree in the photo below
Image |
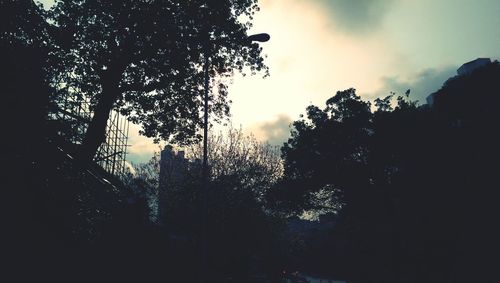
415	184
327	151
145	59
241	232
23	84
250	165
342	158
256	165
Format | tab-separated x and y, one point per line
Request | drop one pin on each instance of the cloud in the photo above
357	16
421	85
309	62
141	148
275	132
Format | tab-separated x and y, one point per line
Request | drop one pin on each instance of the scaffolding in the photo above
113	152
72	114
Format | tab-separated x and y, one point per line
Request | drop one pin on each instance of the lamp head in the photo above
260	37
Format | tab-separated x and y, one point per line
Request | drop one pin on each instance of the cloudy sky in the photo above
376	46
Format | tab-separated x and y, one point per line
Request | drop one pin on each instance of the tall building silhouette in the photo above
173	171
471	66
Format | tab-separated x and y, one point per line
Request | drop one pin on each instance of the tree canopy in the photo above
327	149
412	185
145	59
256	166
242	234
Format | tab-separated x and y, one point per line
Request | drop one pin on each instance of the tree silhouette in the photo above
243	237
327	150
145	59
256	165
23	84
413	184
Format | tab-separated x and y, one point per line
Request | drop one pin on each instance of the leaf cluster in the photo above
152	54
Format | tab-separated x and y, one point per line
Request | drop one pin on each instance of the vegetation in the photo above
145	58
256	165
404	179
242	234
404	193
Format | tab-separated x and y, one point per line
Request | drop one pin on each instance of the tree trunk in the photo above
96	132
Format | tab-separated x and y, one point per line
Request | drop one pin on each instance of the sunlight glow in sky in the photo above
318	47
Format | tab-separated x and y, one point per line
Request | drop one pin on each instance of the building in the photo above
465	69
471	66
173	170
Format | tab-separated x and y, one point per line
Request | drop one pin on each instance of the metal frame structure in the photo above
73	113
113	152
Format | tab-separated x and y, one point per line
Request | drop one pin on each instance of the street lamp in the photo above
260	37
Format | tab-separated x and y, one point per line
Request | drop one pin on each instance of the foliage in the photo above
256	165
241	234
410	182
319	144
22	22
145	58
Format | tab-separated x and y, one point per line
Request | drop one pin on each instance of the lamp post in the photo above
261	37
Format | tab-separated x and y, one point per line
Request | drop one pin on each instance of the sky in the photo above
319	47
